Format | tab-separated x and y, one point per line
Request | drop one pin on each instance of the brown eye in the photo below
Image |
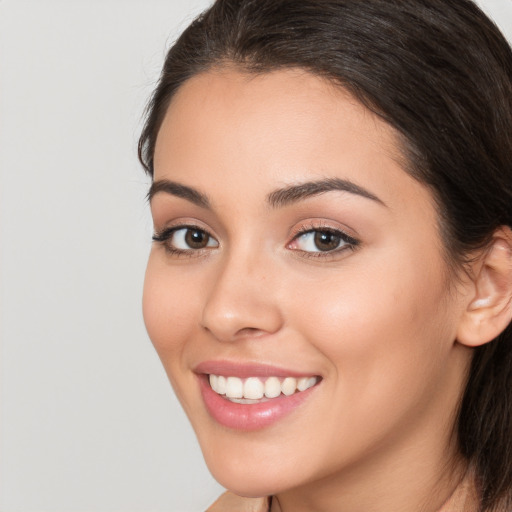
196	238
322	241
326	240
186	239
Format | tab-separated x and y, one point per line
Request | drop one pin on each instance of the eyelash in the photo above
349	243
165	236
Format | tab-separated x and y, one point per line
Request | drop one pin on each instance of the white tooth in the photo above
306	383
253	388
311	382
288	386
221	385
272	387
213	383
245	401
302	384
234	387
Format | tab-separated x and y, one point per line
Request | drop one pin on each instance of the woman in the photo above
330	286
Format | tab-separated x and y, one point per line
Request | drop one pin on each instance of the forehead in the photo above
257	104
262	131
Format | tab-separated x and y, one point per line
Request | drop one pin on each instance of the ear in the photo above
489	310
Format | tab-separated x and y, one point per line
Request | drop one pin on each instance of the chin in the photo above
247	486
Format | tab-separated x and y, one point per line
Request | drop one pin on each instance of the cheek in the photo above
387	342
170	315
378	326
168	305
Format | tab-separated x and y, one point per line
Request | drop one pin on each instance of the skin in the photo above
378	321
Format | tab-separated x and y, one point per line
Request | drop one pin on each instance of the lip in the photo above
248	417
246	370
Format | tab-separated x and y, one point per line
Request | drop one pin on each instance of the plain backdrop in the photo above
88	422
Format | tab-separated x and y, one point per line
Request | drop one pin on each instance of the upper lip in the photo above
245	370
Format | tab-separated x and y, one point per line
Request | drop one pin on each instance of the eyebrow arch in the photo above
294	193
178	190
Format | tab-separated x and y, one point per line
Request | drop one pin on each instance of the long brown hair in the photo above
440	73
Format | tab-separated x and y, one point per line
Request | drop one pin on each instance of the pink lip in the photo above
243	371
248	416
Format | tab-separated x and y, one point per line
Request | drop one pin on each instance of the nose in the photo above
242	301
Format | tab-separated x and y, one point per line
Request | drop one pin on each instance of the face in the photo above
299	269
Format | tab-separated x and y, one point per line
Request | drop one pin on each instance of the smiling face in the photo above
292	250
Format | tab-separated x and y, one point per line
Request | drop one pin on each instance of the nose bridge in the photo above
241	301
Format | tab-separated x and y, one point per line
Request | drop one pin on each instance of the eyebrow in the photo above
294	193
276	199
179	190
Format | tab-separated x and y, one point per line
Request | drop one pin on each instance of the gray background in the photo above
87	419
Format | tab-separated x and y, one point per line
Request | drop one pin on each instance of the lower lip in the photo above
249	416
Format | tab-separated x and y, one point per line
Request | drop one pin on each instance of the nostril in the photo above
249	332
243	333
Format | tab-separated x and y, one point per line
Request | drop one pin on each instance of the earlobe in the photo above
489	310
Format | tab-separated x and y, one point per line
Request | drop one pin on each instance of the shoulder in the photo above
230	502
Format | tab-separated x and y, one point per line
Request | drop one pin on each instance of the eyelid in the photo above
164	235
323	225
182	223
320	226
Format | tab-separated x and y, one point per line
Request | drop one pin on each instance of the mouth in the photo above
252	397
255	390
